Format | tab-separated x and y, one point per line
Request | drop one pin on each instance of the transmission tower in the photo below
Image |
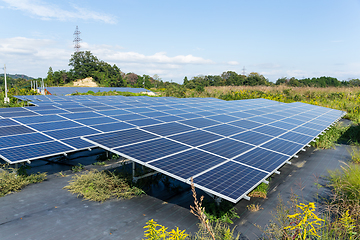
77	39
243	70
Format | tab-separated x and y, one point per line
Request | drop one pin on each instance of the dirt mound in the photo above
86	82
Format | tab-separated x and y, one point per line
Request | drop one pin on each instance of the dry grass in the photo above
100	186
254	207
11	181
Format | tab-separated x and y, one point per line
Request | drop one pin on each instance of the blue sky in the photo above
174	39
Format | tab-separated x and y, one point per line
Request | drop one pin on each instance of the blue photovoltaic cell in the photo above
99	108
293	121
227	148
7	122
18	114
114	112
34	151
313	126
151	150
76	116
255	112
225	130
219	111
283	146
162	108
71	132
273	131
175	112
127	117
241	114
223	118
297	137
120	138
155	114
93	121
54	125
273	116
262	159
140	110
189	115
307	131
144	122
246	124
13	130
169	118
200	122
80	109
284	125
230	179
50	112
261	120
11	109
252	137
78	143
168	129
195	138
23	139
39	119
187	164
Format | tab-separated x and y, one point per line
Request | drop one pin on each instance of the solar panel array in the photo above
228	147
61	91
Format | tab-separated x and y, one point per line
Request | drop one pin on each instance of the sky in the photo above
174	39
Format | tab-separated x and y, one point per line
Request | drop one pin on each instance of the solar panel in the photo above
23	153
183	165
239	143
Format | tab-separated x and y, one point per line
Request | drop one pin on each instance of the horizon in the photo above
171	39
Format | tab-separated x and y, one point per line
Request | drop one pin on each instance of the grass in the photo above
12	181
101	186
254	207
77	168
355	154
260	191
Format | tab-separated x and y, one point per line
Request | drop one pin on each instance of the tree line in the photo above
231	78
84	64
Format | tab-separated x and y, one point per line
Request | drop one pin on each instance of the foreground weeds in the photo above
12	181
100	186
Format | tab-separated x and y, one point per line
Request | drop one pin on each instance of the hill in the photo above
16	76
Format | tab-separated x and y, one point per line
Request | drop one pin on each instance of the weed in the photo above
305	222
100	186
346	182
78	168
355	154
10	181
209	229
254	207
99	163
156	231
260	191
62	174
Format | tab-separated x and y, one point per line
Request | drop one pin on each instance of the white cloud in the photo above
47	11
233	63
33	57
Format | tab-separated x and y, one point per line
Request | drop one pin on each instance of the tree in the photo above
50	76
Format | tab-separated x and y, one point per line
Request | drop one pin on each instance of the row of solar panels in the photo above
22	136
229	147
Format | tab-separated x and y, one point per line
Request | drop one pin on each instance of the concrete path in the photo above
47	211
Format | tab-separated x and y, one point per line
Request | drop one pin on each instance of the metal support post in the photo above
6	99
